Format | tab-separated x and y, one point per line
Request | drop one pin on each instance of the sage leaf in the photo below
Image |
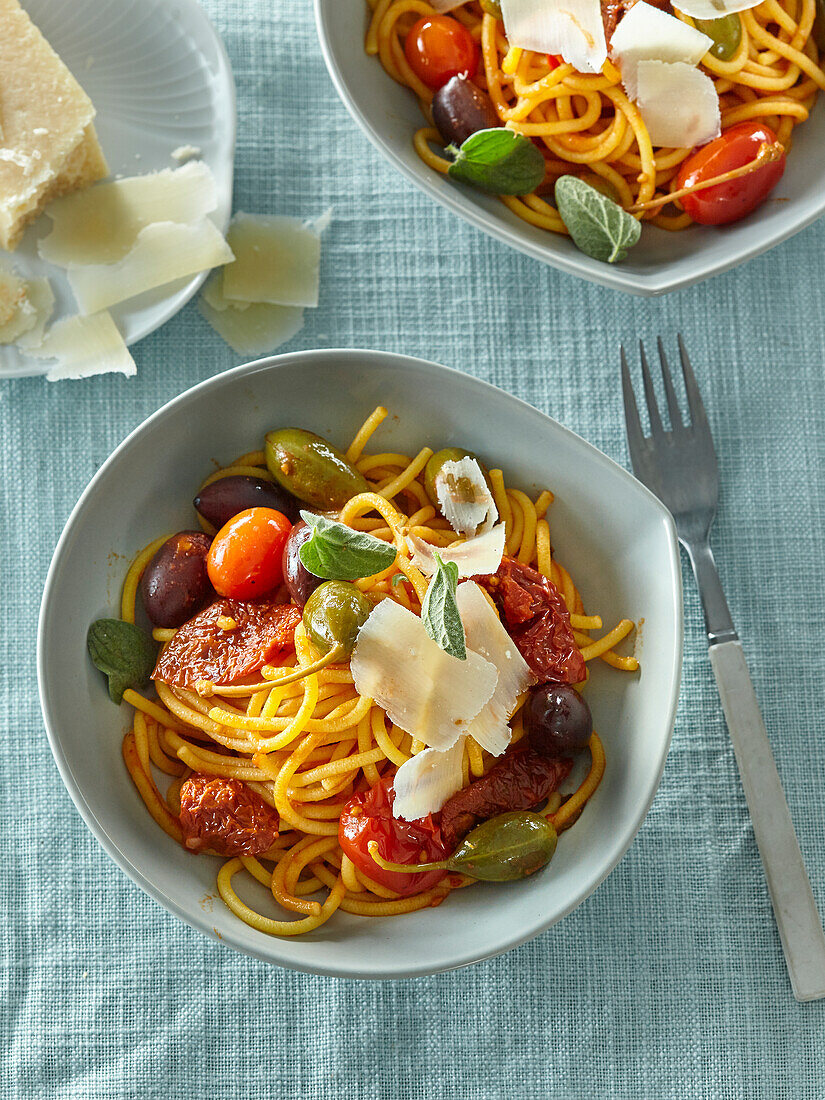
507	847
439	611
337	553
123	652
498	161
599	227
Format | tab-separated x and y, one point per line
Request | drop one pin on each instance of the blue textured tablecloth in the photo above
670	981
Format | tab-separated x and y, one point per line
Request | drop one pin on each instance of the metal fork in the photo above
680	467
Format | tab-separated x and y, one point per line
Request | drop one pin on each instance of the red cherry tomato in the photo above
438	48
554	60
226	816
368	816
245	556
728	202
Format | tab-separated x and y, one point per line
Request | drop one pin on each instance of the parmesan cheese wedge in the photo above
476	556
84	346
102	224
715	9
646	33
424	782
485	635
277	260
426	692
163	252
250	328
465	498
572	28
678	103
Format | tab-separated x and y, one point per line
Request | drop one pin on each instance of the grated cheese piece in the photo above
163	252
465	498
571	28
277	260
102	224
486	636
678	103
715	9
186	152
17	314
250	328
84	346
426	692
424	782
476	556
646	33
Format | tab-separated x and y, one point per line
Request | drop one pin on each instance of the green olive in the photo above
312	469
433	469
491	7
334	614
726	33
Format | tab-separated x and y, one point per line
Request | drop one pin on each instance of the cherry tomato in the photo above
728	202
226	816
368	816
245	556
554	60
439	48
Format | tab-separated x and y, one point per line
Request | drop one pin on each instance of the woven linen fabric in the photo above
669	982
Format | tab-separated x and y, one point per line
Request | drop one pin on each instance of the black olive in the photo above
299	581
219	501
460	109
175	584
557	719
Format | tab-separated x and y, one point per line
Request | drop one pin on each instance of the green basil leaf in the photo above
124	652
337	553
598	226
499	161
507	847
439	611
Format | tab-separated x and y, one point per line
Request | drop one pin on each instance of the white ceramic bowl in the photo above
160	79
389	115
615	536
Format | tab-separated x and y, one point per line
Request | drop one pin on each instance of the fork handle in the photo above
800	927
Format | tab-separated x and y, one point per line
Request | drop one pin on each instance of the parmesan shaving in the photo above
465	498
102	224
487	637
646	33
476	556
17	314
679	104
163	252
84	346
256	329
715	9
40	296
426	692
277	260
424	782
571	28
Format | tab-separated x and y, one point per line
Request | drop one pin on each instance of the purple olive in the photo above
175	584
224	498
558	719
299	581
460	109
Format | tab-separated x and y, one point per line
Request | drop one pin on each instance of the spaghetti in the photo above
585	124
307	747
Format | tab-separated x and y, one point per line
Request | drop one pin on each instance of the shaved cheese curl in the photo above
486	636
715	9
465	498
426	692
646	33
425	782
475	557
678	103
572	29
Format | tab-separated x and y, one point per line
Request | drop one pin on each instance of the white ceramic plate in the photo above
389	115
159	78
614	535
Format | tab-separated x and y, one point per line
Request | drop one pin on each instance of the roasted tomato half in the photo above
368	816
225	816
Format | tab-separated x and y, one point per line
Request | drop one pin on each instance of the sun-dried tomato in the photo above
225	816
537	620
204	650
521	780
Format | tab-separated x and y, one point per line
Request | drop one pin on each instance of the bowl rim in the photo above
645	285
278	955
